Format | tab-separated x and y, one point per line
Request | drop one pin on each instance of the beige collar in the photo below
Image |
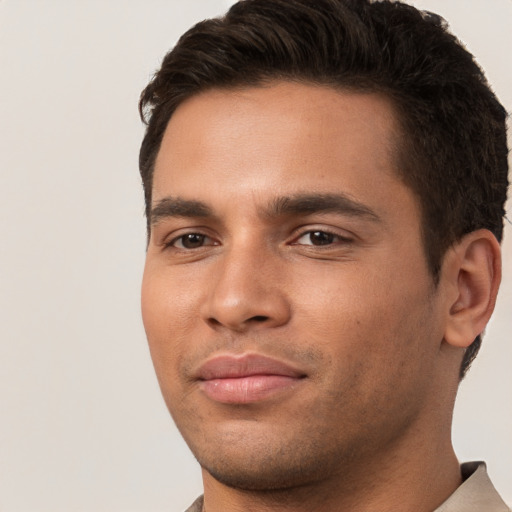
476	494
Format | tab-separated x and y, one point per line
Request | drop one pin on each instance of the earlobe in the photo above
473	265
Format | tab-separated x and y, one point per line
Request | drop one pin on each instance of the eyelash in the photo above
172	243
337	238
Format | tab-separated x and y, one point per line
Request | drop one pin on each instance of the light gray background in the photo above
82	425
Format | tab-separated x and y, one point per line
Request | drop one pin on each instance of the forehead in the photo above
285	137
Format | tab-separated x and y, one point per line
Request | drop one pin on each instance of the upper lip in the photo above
245	365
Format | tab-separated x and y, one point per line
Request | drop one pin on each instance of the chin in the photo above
268	467
274	476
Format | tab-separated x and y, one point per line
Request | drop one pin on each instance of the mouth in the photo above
246	378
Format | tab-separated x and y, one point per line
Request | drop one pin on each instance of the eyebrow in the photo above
178	207
298	204
307	204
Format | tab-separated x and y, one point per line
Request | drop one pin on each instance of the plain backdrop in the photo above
82	423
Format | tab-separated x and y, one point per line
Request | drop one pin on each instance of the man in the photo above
325	185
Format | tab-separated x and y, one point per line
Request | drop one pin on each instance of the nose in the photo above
247	292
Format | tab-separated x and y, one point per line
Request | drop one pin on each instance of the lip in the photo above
246	378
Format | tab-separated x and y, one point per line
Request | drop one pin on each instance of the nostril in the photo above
259	318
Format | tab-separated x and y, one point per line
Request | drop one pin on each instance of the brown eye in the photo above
321	238
190	241
317	238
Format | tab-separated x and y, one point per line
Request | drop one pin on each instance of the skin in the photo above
343	294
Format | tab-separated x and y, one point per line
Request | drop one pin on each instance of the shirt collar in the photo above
476	494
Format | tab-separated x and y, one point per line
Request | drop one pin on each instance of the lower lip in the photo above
245	390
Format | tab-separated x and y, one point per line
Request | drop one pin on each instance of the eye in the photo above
319	238
191	241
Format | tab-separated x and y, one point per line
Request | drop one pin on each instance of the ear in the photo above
473	270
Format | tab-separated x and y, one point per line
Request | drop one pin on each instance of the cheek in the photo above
168	316
168	300
378	361
371	320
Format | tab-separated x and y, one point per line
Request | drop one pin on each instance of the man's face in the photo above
291	317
